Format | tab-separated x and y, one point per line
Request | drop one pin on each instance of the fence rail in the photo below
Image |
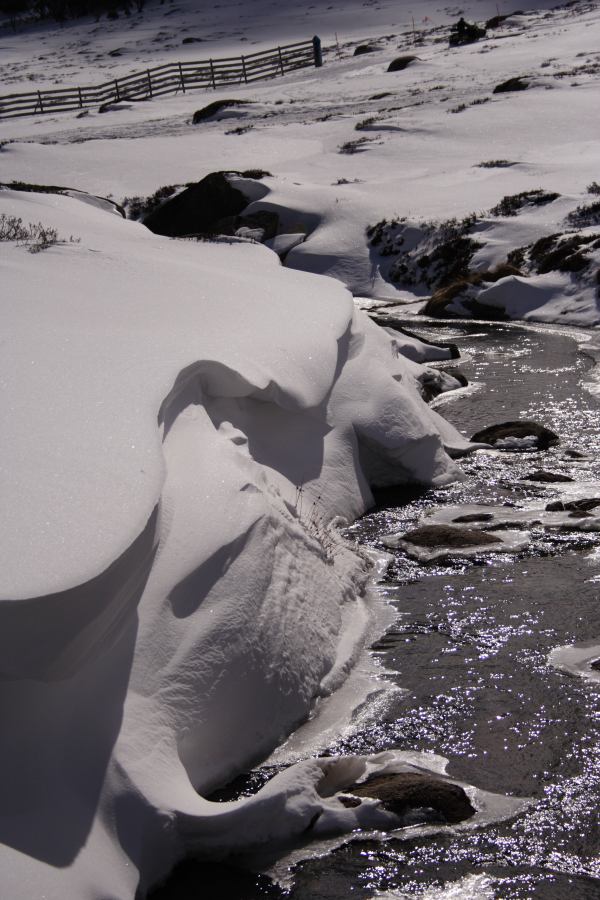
168	79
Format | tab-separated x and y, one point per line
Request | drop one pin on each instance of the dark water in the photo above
470	647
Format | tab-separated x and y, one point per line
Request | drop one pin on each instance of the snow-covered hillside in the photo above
188	422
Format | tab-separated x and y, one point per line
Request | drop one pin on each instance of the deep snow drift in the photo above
185	422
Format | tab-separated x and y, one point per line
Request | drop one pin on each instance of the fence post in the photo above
212	75
244	70
281	60
80	98
117	94
40	102
318	52
149	83
181	78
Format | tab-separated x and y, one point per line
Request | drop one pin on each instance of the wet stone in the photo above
585	504
546	477
402	793
518	435
474	517
449	536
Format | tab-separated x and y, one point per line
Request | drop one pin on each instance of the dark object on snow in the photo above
400	63
546	477
408	791
512	84
496	21
463	32
364	48
544	438
434	536
595	665
198	208
207	112
192	40
584	505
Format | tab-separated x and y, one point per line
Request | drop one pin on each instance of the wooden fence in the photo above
168	79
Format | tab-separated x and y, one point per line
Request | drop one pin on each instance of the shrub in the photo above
593	188
496	164
138	207
584	216
365	124
34	236
512	203
356	146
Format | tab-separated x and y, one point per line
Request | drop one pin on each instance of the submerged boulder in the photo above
546	477
519	435
409	791
432	536
583	505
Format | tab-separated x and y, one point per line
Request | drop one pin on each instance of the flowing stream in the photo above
470	648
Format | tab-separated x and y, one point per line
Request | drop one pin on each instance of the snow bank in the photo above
186	419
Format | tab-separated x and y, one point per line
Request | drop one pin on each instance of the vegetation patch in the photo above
433	256
365	124
496	164
514	203
138	207
357	146
586	215
563	253
34	236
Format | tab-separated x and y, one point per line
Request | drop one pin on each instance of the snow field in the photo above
187	419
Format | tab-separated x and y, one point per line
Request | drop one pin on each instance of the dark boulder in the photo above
213	109
520	430
595	665
463	32
364	48
434	536
473	517
496	21
584	505
402	793
546	477
512	84
400	63
198	208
